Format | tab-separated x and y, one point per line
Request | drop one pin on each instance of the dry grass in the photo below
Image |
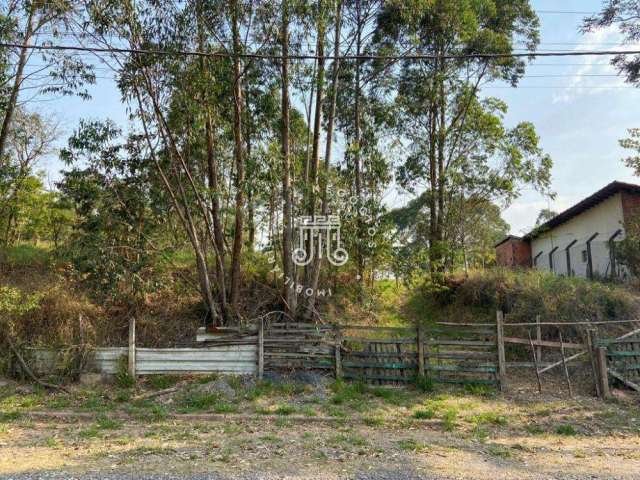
468	436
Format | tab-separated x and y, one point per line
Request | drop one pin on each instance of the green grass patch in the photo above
449	419
104	422
566	429
499	451
424	414
161	382
373	421
351	439
25	255
488	418
424	384
412	445
197	401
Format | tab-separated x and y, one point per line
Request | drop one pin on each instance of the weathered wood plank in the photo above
544	343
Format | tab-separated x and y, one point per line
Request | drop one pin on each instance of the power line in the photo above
254	55
565	12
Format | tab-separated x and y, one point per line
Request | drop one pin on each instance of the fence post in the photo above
539	338
602	372
132	348
261	349
502	364
591	342
420	351
338	353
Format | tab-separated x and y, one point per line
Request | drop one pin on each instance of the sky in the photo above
578	116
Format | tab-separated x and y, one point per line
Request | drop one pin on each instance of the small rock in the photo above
4	382
220	387
90	379
25	389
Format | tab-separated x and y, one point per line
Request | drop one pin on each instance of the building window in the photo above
584	256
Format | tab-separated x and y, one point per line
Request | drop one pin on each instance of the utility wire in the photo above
195	53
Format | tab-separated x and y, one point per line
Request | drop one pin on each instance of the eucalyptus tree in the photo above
23	24
453	140
191	111
29	141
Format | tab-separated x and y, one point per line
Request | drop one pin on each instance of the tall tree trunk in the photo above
358	142
433	188
17	82
238	157
251	226
213	183
312	186
288	295
311	302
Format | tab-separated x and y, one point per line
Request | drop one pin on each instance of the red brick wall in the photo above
514	253
630	208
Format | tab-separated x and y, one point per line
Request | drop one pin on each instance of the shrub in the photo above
523	294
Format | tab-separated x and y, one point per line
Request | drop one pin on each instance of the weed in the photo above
195	400
566	429
424	414
350	439
270	438
284	410
282	422
95	403
147	411
228	428
91	432
103	422
449	419
498	450
260	389
161	382
204	379
534	429
51	442
58	403
479	390
424	384
334	411
123	396
308	411
225	408
373	421
412	445
488	418
9	416
347	392
480	433
123	378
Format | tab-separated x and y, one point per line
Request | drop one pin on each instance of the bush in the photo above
523	294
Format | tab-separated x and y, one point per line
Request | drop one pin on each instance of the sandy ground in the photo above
518	435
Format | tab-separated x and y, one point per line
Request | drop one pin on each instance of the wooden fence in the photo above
621	358
384	355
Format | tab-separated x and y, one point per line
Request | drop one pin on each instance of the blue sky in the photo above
579	118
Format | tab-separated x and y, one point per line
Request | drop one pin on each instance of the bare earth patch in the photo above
373	433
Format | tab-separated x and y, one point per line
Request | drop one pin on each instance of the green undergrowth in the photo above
523	294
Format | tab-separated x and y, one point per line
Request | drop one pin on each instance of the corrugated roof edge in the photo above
591	201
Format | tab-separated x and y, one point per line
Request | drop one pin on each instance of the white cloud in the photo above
580	85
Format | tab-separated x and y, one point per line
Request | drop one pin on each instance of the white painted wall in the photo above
604	218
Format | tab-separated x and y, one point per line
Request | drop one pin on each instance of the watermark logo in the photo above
319	237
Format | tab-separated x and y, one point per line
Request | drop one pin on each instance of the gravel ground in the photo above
374	475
